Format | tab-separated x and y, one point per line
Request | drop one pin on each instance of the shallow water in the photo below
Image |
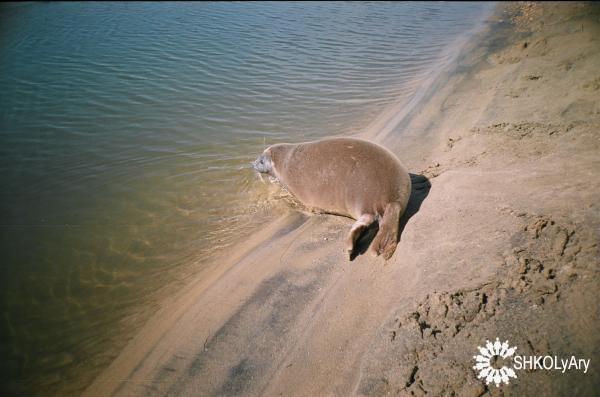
126	130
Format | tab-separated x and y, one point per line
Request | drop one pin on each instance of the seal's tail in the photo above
386	239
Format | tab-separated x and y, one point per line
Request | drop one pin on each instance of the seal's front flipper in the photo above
386	239
363	222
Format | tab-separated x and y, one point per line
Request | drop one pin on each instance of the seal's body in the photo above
344	176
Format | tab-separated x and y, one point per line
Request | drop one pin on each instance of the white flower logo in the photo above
484	365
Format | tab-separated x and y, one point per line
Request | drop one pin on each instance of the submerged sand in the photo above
500	240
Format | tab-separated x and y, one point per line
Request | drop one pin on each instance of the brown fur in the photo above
349	177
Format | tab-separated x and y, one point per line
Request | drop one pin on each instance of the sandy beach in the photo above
500	240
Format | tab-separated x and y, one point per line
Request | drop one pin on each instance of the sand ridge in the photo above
501	241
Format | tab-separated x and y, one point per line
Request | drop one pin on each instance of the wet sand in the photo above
500	240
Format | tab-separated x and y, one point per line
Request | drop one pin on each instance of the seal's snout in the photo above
262	164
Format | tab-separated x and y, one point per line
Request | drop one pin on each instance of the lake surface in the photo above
126	130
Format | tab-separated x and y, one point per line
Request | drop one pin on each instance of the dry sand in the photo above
502	241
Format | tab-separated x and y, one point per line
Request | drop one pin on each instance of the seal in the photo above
344	176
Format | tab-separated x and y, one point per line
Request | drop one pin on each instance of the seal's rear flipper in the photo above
386	239
357	229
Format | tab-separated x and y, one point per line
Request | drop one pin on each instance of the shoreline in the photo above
291	308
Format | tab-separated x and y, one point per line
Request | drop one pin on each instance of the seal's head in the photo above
268	162
264	162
